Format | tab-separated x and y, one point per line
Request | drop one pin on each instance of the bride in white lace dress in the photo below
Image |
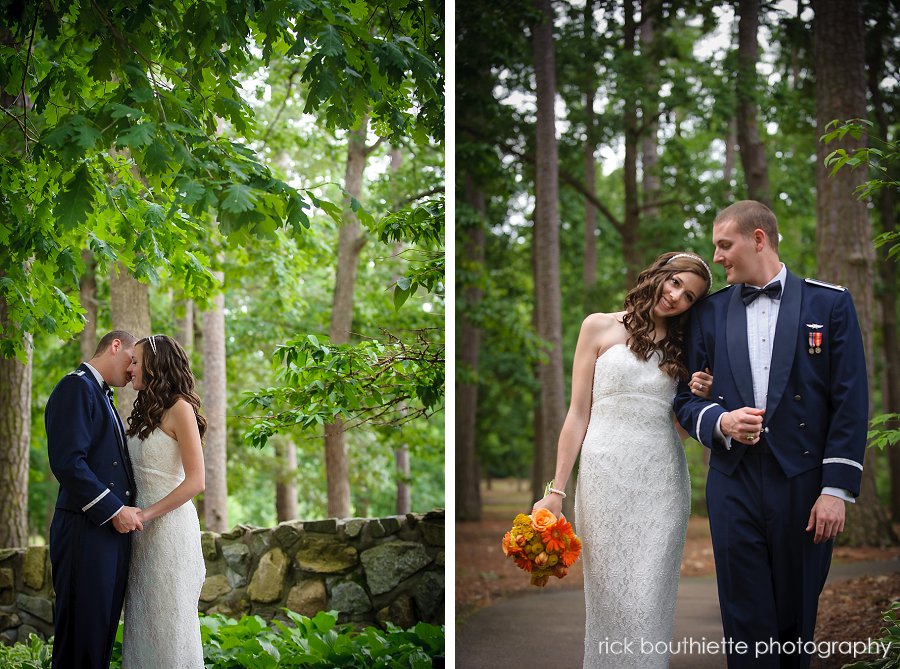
633	493
167	570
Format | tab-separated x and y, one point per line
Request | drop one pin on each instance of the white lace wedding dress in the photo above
167	568
632	502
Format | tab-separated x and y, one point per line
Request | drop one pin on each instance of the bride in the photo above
633	495
167	570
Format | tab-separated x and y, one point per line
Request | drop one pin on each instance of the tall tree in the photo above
547	298
649	144
215	452
886	204
129	304
15	437
844	251
471	261
285	479
753	150
631	233
589	269
87	295
350	243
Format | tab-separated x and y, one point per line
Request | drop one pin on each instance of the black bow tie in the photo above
108	391
749	293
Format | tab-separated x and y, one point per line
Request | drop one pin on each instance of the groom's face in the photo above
736	252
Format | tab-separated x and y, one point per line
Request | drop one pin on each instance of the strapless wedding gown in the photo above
167	568
632	502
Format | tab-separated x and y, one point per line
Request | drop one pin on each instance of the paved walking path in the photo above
546	628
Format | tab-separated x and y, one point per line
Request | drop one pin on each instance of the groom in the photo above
786	424
90	544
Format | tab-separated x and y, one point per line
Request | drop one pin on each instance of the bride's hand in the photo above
701	384
551	502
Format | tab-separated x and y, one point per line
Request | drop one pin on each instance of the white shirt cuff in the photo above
717	433
840	493
114	515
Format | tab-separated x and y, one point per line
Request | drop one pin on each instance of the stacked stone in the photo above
26	594
371	570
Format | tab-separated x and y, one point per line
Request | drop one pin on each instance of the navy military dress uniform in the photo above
759	497
89	457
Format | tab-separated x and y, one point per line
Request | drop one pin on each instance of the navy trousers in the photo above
769	571
90	571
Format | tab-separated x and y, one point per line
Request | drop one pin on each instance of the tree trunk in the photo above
887	268
728	168
468	491
87	295
589	265
350	243
753	152
215	451
129	306
403	501
649	149
631	235
285	479
15	439
547	289
184	324
844	250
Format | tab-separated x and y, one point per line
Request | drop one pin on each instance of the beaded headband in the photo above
152	339
698	258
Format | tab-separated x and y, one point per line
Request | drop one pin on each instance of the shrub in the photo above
251	642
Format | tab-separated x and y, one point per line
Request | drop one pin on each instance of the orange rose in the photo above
506	544
542	520
541	559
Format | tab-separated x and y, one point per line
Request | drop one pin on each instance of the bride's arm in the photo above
576	423
180	421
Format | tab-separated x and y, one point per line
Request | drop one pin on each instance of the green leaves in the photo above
76	201
379	383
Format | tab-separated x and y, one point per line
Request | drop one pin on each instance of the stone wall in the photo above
372	570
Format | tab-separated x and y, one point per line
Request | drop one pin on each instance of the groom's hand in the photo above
743	424
826	518
128	520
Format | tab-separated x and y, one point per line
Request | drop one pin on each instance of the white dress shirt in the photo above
762	317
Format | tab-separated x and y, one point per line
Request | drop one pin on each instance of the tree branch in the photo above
369	149
564	176
287	96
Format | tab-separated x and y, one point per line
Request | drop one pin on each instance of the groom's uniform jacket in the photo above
817	401
88	455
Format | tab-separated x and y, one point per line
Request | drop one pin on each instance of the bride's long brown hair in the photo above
639	303
167	377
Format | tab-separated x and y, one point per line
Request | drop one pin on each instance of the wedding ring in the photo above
699	386
751	436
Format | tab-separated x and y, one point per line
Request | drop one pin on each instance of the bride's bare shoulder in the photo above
603	330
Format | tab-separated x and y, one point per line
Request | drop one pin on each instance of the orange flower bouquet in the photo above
542	545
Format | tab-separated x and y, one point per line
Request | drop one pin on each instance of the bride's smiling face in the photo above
136	368
679	292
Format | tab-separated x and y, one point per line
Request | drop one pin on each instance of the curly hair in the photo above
639	303
167	377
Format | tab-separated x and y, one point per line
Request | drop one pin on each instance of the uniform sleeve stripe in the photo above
842	461
114	515
96	499
700	418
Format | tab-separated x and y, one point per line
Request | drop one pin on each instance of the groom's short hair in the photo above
750	215
124	336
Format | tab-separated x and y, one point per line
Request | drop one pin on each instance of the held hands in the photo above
551	502
743	424
701	384
826	518
130	518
